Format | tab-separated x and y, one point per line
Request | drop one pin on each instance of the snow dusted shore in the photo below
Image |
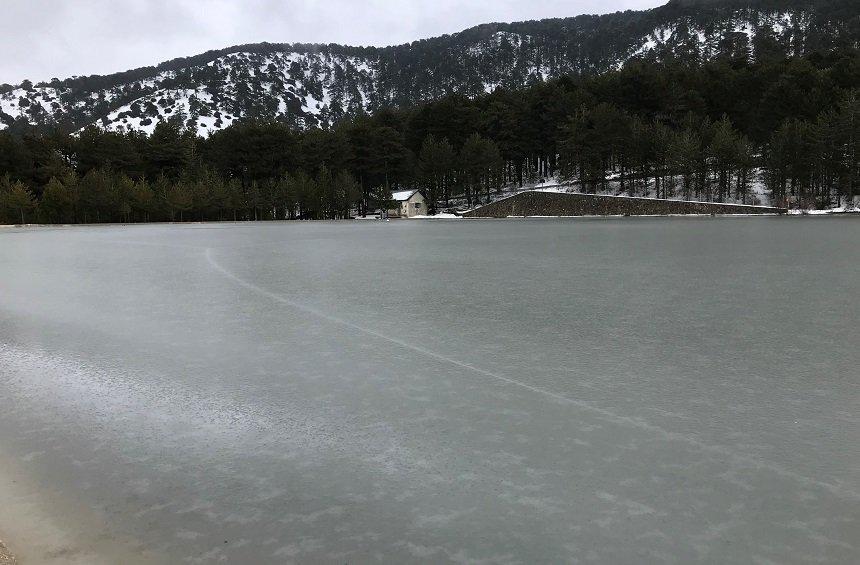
757	196
6	558
831	212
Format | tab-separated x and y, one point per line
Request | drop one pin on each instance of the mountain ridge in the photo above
308	85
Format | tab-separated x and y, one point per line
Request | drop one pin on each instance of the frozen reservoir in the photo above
619	391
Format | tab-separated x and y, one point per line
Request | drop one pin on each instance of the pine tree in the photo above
471	162
436	162
142	200
327	194
723	152
179	200
745	163
56	205
685	155
96	195
348	192
848	125
20	200
123	189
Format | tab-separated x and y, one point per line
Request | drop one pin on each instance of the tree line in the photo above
670	130
803	164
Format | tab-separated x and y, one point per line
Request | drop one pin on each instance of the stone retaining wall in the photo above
561	204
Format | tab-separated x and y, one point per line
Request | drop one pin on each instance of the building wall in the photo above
412	211
407	209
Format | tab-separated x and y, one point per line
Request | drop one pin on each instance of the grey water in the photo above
536	391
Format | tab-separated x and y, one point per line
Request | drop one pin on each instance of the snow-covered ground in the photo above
443	216
292	85
840	210
303	87
758	193
674	199
781	23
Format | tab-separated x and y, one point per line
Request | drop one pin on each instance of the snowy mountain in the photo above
309	85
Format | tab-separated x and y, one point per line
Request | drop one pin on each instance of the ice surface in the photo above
524	391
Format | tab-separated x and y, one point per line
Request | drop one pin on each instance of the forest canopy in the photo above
667	129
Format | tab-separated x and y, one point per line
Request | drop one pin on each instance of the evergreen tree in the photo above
57	204
348	192
169	150
179	199
19	201
793	121
436	163
686	154
142	200
723	151
96	190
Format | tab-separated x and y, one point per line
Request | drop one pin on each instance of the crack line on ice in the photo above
609	415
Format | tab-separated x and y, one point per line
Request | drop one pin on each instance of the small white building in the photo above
410	203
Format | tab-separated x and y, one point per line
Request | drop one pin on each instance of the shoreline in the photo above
6	558
40	525
789	213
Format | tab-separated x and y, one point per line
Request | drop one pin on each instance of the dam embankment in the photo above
537	203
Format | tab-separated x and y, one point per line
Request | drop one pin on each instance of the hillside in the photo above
308	85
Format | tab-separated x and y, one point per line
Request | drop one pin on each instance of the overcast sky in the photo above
41	39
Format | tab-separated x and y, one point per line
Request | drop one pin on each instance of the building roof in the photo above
403	195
